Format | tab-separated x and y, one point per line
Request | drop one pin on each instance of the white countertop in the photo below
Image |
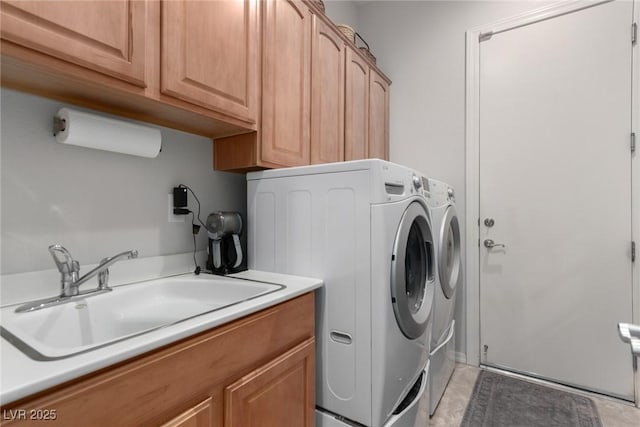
21	376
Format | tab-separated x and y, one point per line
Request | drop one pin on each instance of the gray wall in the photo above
97	203
343	12
420	45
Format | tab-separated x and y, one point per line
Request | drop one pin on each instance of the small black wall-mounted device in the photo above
180	201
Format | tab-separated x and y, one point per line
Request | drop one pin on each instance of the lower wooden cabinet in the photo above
279	393
256	371
200	415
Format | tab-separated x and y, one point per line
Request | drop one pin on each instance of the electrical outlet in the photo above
171	216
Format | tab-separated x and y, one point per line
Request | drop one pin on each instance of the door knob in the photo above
488	243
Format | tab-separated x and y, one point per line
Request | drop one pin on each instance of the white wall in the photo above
420	45
97	203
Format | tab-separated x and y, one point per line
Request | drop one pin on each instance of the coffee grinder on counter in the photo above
225	250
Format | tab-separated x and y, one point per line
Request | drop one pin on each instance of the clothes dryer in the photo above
364	228
441	201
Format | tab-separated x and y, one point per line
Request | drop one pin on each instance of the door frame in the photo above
472	161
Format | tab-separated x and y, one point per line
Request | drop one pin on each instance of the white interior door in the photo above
555	178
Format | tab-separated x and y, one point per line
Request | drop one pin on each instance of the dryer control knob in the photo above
451	194
417	182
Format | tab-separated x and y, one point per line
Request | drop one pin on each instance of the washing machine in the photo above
364	228
441	201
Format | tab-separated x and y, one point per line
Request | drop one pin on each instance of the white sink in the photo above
131	310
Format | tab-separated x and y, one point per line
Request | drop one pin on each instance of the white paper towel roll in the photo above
102	133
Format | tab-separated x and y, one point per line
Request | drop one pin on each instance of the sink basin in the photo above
128	311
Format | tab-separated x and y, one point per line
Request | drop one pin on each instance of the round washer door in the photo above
450	263
412	269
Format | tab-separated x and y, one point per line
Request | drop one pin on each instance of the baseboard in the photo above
460	357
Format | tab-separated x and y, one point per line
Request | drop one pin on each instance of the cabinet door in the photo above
200	415
210	54
378	116
286	85
105	36
280	393
356	107
327	94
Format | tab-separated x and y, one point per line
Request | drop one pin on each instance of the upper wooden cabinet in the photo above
189	65
346	114
356	139
366	110
107	36
378	116
286	82
284	132
273	81
327	94
210	54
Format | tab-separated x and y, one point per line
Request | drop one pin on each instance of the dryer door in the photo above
450	263
412	271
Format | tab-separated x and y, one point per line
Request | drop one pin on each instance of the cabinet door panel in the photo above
286	83
200	415
105	36
209	54
378	117
327	94
356	107
280	393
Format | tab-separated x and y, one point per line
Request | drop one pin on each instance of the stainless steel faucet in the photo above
70	281
70	269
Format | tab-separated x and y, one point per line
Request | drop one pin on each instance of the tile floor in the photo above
454	402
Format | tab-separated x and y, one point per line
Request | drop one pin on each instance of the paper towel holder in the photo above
59	125
106	134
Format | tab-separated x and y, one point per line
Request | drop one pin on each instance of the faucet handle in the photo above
103	276
63	259
75	270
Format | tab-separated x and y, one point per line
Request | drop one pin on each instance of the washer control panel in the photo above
439	193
